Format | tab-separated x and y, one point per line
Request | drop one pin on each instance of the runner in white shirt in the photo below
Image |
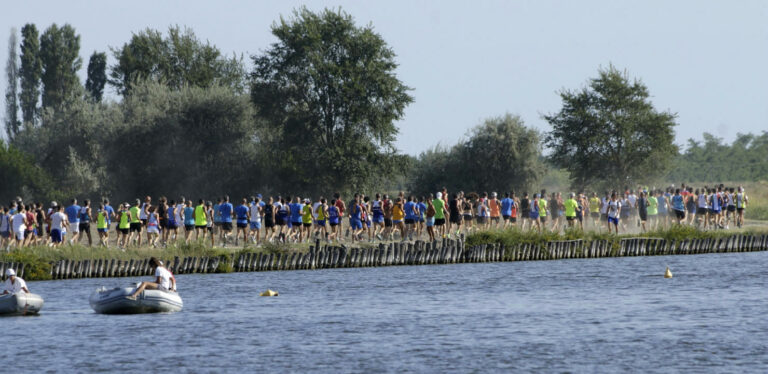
256	213
58	222
18	226
14	284
164	280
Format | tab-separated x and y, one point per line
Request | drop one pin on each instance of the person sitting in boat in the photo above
164	280
14	284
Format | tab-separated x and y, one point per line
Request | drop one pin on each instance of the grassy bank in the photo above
38	258
514	236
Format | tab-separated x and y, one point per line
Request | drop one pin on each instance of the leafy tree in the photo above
21	177
31	70
180	59
609	134
72	144
12	90
97	75
328	92
712	160
501	154
60	57
193	141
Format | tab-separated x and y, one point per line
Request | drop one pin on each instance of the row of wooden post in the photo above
446	251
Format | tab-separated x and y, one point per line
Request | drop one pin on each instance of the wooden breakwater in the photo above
446	251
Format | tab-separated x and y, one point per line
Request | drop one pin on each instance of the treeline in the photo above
713	160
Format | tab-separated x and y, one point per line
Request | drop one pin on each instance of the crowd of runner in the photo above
365	218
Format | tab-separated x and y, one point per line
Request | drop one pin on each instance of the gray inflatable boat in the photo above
116	301
20	304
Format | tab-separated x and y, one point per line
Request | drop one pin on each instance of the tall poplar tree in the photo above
12	90
60	56
31	69
97	75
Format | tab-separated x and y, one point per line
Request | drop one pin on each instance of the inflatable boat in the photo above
20	304
116	301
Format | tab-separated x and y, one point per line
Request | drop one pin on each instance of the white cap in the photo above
10	273
439	195
494	194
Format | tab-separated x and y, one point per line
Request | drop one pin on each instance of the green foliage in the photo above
742	160
178	60
20	176
12	122
328	93
191	140
97	75
35	268
609	134
31	70
60	58
501	154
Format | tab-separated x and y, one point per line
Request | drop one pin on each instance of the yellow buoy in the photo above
269	293
667	274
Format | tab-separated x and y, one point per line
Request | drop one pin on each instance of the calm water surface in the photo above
585	316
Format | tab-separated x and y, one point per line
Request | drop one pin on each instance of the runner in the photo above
334	217
571	207
225	212
153	225
594	210
378	217
73	215
306	220
243	217
642	210
439	206
533	212
653	211
525	210
256	213
455	214
467	209
59	223
101	226
678	206
123	226
398	215
430	218
495	209
189	221
730	209
201	219
543	209
613	209
85	221
741	206
321	212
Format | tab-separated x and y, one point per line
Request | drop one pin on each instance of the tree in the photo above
12	90
60	57
609	134
501	154
327	89
178	60
97	75
31	70
21	177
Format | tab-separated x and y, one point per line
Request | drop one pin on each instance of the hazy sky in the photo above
468	60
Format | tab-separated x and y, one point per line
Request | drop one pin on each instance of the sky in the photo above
470	60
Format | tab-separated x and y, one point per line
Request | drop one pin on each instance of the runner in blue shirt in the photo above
73	215
243	213
225	210
296	209
506	208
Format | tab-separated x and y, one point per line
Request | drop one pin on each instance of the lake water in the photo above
583	316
